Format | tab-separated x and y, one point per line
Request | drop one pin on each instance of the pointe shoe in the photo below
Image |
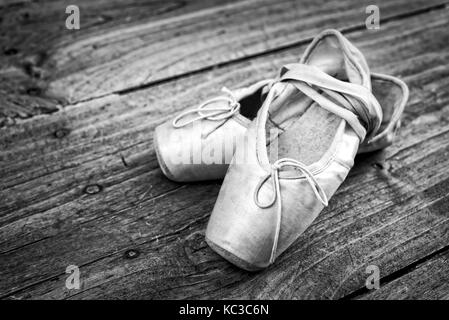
184	146
317	123
199	143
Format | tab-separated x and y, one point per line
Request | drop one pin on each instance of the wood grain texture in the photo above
430	280
82	186
33	33
124	45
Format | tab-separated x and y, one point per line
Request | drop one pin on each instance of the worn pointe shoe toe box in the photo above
180	152
244	233
199	143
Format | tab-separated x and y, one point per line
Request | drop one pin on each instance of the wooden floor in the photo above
79	180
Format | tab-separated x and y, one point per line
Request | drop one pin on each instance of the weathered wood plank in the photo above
124	45
33	32
429	280
93	231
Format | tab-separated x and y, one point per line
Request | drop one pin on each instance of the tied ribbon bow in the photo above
221	114
274	176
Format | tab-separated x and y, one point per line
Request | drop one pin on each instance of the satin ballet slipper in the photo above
299	150
199	143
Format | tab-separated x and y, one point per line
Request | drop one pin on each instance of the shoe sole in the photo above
231	257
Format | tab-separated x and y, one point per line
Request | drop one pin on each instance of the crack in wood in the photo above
359	293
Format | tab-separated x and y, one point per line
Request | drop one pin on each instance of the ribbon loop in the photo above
274	175
214	114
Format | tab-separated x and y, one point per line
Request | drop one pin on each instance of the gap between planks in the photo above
362	292
278	49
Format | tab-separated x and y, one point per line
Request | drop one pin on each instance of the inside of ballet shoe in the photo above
389	95
250	104
302	129
308	134
307	138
